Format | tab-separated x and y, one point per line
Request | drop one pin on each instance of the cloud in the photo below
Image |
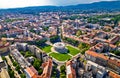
24	3
73	2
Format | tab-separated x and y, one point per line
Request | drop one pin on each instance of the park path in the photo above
49	53
70	54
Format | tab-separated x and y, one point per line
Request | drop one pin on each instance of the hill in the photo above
97	6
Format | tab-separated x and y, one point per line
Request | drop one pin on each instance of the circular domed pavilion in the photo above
60	47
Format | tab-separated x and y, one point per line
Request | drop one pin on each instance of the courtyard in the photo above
72	51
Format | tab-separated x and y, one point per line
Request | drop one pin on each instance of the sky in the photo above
26	3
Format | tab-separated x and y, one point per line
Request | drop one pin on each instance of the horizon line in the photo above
53	5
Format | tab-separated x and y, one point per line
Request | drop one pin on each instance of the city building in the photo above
70	71
98	71
3	64
20	59
60	47
3	69
31	72
21	46
47	69
4	47
104	60
4	73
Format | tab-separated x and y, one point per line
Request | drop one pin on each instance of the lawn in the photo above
47	48
60	57
73	51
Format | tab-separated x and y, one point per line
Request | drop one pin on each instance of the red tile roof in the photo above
32	72
94	54
47	69
113	75
70	71
115	62
115	39
112	46
2	45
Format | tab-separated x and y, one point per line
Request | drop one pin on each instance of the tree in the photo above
3	57
83	45
78	33
4	35
45	28
37	63
32	31
40	71
40	42
22	76
71	41
62	76
18	68
28	54
15	63
23	53
117	43
11	73
83	50
116	52
62	69
54	39
54	71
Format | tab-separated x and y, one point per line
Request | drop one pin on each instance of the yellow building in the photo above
4	47
4	73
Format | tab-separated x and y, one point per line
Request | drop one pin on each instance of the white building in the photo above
99	70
